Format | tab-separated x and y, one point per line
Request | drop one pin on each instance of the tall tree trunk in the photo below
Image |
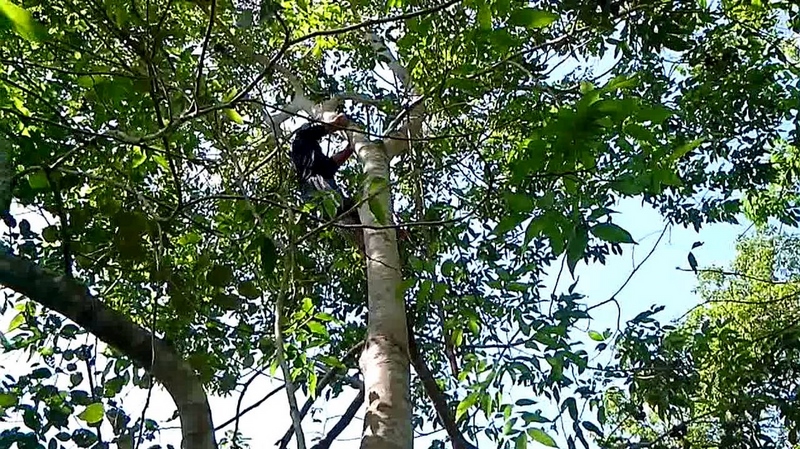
384	362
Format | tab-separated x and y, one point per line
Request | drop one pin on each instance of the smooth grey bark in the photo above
384	362
73	300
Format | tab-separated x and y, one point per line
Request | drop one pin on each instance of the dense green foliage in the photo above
727	375
160	183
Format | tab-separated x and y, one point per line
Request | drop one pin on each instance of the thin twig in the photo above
239	408
200	61
343	422
249	408
288	278
633	272
287	437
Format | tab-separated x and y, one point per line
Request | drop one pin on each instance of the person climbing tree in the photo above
316	171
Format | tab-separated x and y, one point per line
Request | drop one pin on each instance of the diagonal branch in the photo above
74	301
249	408
198	82
343	422
287	437
436	395
288	279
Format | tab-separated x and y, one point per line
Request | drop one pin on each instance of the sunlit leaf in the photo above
542	437
317	328
234	116
21	21
532	18
465	405
93	413
521	442
16	322
485	16
596	336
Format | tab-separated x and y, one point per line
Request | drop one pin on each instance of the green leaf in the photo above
190	239
458	337
269	255
612	233
234	116
8	400
161	161
542	437
317	328
519	202
20	106
139	156
655	114
333	362
21	21
577	247
485	16
535	229
329	203
572	407
506	224
684	149
16	322
75	379
230	95
50	234
596	336
219	275
464	405
591	427
376	186
5	343
621	82
93	413
532	18
249	290
38	180
534	417
521	441
616	108
627	186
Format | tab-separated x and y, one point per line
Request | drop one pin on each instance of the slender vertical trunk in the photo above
384	362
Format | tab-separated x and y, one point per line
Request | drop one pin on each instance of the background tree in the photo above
149	139
726	374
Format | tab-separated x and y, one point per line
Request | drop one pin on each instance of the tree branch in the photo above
288	278
396	141
249	408
201	60
435	393
343	422
74	301
287	437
